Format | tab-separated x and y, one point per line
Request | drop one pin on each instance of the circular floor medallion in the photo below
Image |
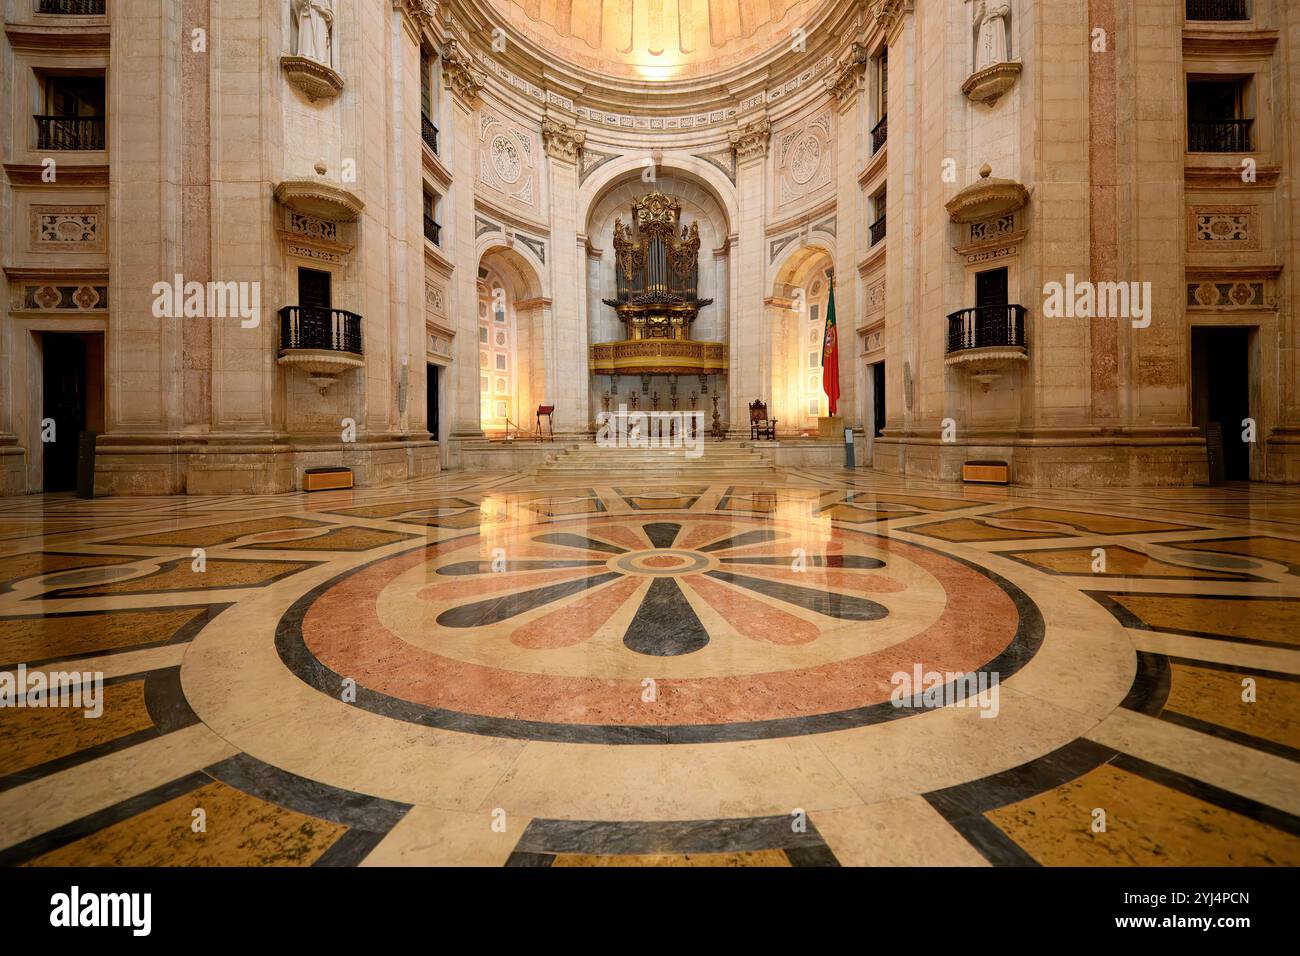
632	629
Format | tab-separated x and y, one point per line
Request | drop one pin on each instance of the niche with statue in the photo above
312	36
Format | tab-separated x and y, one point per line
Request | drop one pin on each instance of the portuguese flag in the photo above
831	355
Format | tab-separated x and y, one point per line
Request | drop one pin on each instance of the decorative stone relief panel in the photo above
1250	294
804	159
435	299
1223	228
507	158
875	297
993	228
65	298
67	228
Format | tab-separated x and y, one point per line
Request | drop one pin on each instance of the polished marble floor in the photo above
499	669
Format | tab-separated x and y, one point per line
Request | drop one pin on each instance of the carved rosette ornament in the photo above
561	140
846	79
750	141
460	73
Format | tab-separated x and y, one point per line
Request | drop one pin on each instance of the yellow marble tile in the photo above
58	637
1147	824
1216	697
752	858
240	830
209	535
36	735
1265	619
1119	560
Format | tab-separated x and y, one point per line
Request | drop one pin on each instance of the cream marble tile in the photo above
903	832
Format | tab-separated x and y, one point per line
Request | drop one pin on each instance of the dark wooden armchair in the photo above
760	426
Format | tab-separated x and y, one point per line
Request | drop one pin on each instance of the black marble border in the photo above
545	839
965	804
299	660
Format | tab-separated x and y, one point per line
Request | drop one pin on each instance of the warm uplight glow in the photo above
657	40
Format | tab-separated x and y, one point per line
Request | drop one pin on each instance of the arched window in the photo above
496	359
815	402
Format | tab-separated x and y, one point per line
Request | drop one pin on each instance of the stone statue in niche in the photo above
990	23
315	23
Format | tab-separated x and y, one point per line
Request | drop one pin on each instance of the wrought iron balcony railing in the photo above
1219	136
987	327
69	132
1221	10
878	230
429	133
76	8
331	330
432	231
879	134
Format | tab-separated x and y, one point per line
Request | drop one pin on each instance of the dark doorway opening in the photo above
1221	392
313	289
878	397
72	401
991	288
431	399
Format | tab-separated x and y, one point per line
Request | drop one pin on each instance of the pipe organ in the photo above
657	270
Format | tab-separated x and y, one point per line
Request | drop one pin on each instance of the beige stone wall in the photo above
772	156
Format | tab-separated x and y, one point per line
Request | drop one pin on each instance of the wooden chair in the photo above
760	426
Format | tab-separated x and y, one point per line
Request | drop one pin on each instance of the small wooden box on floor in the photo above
326	479
986	472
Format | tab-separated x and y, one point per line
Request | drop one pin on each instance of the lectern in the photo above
546	410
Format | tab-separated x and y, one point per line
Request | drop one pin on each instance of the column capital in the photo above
889	13
750	141
422	13
458	70
562	141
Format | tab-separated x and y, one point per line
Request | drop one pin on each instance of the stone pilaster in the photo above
749	338
464	83
567	364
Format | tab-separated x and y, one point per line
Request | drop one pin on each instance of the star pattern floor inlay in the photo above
501	669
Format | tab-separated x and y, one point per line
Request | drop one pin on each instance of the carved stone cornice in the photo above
316	80
988	198
845	79
318	198
561	140
750	141
423	13
889	12
459	72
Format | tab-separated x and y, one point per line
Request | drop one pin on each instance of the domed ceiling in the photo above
656	39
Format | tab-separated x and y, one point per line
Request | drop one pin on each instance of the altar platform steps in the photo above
713	458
